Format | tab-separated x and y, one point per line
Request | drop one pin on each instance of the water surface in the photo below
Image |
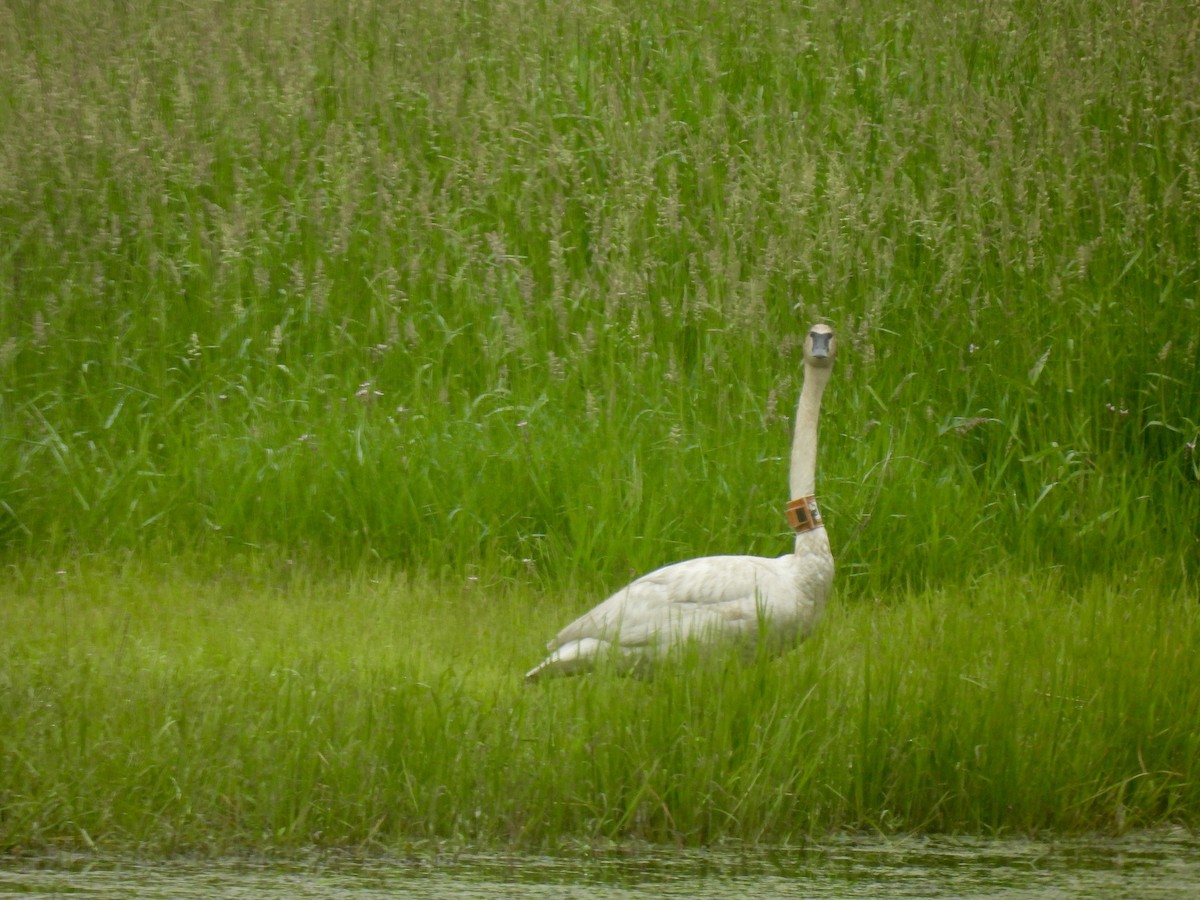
1159	864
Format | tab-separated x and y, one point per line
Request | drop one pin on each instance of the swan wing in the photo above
723	592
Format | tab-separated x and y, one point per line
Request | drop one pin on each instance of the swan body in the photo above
718	597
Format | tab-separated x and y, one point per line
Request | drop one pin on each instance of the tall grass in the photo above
277	707
478	284
404	330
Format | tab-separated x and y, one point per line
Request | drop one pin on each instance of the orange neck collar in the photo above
803	515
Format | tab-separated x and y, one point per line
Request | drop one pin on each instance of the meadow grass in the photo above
508	296
274	707
481	283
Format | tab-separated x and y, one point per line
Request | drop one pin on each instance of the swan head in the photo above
820	347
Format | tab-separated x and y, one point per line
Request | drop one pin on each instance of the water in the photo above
1161	864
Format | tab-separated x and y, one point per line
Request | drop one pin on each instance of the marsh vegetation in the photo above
349	348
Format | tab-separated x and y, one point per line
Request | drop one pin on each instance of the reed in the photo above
500	303
482	284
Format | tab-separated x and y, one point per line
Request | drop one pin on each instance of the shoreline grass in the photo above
276	708
346	349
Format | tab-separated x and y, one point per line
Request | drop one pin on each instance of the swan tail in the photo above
569	659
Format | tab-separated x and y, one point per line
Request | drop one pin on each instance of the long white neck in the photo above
803	476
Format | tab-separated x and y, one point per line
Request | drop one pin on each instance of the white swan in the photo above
721	596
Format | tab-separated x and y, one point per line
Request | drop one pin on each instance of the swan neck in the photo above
803	475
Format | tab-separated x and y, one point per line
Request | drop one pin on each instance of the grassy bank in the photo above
476	309
275	708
